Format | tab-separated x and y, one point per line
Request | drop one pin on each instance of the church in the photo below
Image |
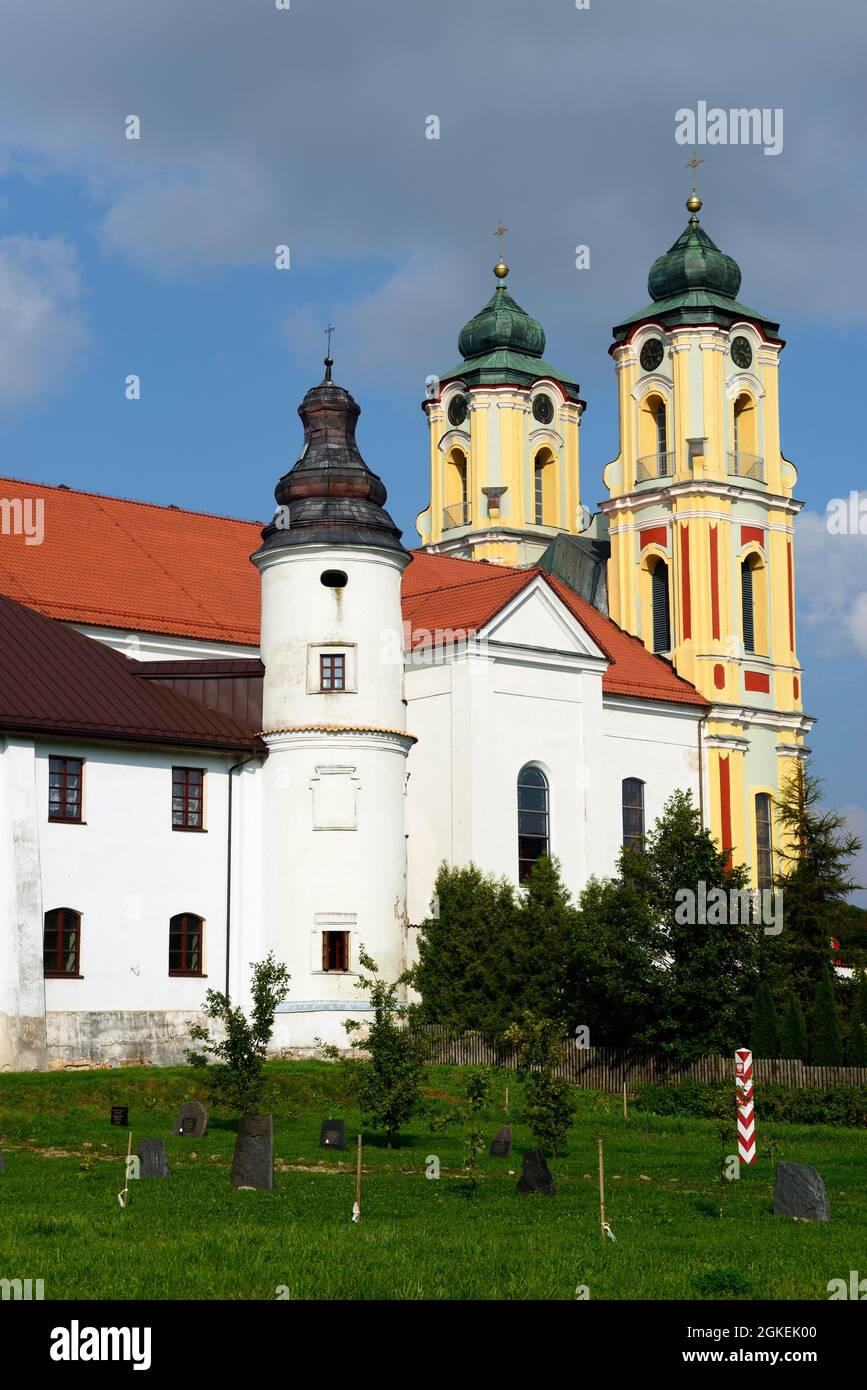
219	740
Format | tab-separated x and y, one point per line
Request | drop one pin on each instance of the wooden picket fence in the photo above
610	1068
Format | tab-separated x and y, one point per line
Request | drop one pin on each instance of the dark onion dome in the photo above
501	324
330	497
502	345
695	283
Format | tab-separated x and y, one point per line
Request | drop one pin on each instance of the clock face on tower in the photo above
543	410
458	408
742	353
652	354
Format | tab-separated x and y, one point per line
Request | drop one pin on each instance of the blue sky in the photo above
307	127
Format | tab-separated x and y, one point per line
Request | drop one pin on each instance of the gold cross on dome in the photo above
693	165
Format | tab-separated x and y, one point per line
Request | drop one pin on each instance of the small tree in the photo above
826	1049
388	1086
764	1033
549	1101
478	1096
793	1036
236	1080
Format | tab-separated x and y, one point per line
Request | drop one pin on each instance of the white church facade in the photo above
204	759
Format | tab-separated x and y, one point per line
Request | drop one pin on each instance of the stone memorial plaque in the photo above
154	1159
536	1176
192	1120
501	1143
253	1160
799	1191
332	1135
120	1114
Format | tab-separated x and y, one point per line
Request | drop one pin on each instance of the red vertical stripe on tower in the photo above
791	599
714	581
684	580
725	807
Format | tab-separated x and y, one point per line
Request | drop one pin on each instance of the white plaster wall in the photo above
127	872
299	611
22	993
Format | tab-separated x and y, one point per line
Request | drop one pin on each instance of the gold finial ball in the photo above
501	270
693	202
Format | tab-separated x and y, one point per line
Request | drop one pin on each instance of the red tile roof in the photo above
140	567
449	594
54	680
134	565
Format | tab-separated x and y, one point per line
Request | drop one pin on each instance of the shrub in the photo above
715	1100
236	1080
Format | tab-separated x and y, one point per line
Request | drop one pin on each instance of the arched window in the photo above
660	607
764	842
457	508
186	932
544	488
61	943
539	491
661	437
633	813
532	818
748	608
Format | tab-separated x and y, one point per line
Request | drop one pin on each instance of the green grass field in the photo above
191	1237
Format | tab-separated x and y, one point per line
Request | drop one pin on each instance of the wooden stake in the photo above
358	1179
507	1100
125	1193
601	1192
624	1100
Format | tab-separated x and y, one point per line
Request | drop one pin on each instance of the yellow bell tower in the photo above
503	429
700	513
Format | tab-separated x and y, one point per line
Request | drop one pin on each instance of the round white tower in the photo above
334	720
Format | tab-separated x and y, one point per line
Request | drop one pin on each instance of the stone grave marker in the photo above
154	1159
2	1162
253	1159
501	1143
192	1120
800	1192
332	1135
536	1176
120	1114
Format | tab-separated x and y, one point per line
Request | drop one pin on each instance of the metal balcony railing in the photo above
747	466
654	466
456	515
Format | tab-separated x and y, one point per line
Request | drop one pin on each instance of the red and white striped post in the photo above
746	1116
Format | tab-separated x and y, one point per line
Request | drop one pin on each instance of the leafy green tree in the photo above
826	1048
387	1086
549	1102
613	979
793	1035
764	1033
856	1046
478	1098
236	1080
540	943
707	969
816	851
461	970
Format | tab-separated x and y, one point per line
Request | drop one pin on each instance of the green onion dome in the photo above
502	324
694	263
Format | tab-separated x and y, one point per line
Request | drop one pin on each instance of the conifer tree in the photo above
826	1049
815	855
856	1046
764	1033
793	1035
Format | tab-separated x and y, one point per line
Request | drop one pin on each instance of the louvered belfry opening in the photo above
747	608
661	611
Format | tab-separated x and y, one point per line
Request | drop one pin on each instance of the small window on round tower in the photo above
334	579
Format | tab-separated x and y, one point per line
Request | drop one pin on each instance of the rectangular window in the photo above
61	943
764	842
332	671
539	498
188	787
335	950
64	789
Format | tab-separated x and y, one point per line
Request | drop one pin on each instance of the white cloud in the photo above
856	823
831	586
42	329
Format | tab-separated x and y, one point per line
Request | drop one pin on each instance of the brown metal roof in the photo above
54	680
